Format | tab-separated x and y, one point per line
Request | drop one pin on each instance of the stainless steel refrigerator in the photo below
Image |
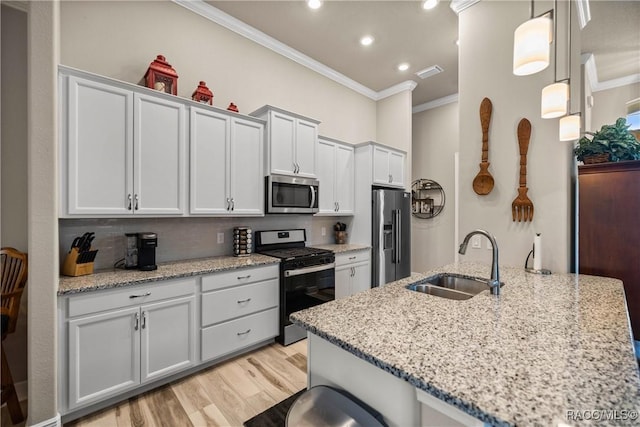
391	239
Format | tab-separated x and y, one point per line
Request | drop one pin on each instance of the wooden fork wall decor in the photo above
522	206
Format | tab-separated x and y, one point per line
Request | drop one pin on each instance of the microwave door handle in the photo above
313	196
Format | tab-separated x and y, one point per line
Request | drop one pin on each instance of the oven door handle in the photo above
307	270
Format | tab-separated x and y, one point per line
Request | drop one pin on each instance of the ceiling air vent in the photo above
429	71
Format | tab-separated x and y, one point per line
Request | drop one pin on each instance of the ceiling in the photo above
404	32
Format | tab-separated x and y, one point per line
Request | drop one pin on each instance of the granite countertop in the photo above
338	249
168	270
545	346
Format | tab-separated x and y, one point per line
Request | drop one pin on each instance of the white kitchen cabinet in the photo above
336	173
119	339
388	167
353	272
226	175
123	151
238	309
291	142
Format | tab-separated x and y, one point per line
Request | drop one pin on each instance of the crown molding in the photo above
589	62
229	22
459	5
435	103
393	90
22	6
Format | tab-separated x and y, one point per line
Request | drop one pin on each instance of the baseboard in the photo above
51	422
22	390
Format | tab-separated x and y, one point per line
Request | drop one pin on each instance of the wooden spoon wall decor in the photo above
522	206
483	182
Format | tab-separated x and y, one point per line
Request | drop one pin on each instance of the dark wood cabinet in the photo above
609	227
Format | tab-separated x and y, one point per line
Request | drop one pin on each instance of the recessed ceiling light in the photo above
314	4
429	4
403	67
366	40
429	71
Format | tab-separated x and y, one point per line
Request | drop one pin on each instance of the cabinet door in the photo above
159	146
396	168
246	175
327	176
99	132
381	166
209	154
345	179
343	281
168	337
361	280
282	130
306	143
104	355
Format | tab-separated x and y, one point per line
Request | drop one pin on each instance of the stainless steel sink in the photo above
451	286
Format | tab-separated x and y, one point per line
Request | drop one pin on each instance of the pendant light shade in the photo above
531	46
569	128
554	100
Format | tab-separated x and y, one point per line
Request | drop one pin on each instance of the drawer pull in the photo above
242	301
140	296
244	333
352	257
244	277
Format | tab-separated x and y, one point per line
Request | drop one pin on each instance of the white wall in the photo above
435	141
120	39
14	166
609	105
394	119
486	43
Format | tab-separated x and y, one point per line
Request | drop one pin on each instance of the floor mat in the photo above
274	416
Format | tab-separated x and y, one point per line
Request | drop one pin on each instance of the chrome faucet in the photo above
494	282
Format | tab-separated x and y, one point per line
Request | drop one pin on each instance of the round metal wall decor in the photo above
427	198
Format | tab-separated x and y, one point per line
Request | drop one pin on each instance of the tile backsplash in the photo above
185	238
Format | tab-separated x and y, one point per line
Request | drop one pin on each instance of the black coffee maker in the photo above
147	243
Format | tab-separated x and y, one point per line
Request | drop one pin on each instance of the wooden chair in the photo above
14	279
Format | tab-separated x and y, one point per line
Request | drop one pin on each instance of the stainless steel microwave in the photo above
289	194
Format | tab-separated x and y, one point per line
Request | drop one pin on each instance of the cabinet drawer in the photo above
352	257
239	301
126	297
230	336
241	276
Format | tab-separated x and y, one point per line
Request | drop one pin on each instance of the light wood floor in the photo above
223	395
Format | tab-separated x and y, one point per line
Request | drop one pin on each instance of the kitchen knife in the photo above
76	243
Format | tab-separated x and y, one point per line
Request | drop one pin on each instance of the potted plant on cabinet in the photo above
612	143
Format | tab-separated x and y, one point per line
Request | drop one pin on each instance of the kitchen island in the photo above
549	350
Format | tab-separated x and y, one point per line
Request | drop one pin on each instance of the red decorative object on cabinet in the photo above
161	76
203	94
609	233
233	107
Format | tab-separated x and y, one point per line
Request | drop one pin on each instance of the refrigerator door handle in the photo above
398	236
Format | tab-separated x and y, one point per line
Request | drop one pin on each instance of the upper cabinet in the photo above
291	142
388	166
122	152
226	164
336	176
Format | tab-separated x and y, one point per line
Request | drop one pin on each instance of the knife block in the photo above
70	267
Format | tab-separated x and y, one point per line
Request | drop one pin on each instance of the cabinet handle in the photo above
295	167
137	200
352	272
242	301
244	333
338	204
352	257
233	204
129	198
144	319
137	325
228	203
244	277
390	179
140	296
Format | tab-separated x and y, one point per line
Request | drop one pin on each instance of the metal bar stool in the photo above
14	280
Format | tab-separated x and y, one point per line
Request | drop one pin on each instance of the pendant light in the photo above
570	128
556	95
531	44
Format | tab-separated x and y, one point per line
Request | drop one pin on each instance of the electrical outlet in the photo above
220	238
323	231
489	245
475	242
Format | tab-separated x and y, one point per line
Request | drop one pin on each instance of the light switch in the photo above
220	238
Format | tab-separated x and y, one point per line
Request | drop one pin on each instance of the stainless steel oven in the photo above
290	194
307	276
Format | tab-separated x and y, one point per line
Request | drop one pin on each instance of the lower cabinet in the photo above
124	338
239	309
353	273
